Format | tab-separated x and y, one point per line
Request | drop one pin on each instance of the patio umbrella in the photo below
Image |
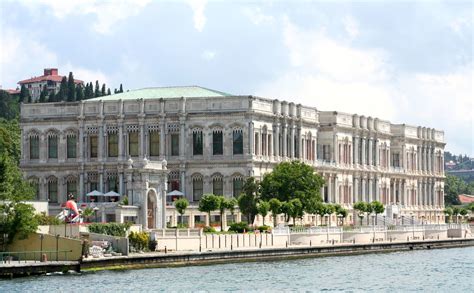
94	193
111	193
175	192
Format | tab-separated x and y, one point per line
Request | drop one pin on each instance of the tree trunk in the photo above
274	221
263	219
222	221
294	221
376	220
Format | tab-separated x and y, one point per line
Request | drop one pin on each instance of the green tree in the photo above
453	187
71	88
63	90
97	89
9	107
340	212
181	206
17	219
230	204
209	203
263	207
330	209
79	93
456	211
24	94
275	208
43	95
103	91
247	201
448	211
377	208
121	89
108	92
463	212
291	180
361	208
52	97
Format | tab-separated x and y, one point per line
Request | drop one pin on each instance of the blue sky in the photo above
407	62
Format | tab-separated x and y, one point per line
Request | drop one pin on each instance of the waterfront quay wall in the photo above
225	256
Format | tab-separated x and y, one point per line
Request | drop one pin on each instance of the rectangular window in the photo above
396	160
36	189
197	143
154	143
53	147
133	144
53	191
217	148
237	184
34	148
112	184
175	144
71	188
197	189
238	142
93	142
217	186
71	147
112	144
94	186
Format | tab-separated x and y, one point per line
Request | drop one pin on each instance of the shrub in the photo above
139	241
112	229
152	245
209	229
239	227
263	228
43	219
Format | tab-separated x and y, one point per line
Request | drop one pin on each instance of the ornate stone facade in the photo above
212	141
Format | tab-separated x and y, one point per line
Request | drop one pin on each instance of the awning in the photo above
111	193
94	193
175	193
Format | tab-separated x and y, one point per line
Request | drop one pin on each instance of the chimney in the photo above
50	71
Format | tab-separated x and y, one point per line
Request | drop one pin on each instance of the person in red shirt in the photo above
72	207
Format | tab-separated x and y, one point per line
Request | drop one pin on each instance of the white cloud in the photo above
256	16
208	55
331	75
107	13
351	26
24	57
199	18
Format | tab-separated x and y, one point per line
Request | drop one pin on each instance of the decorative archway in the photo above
151	209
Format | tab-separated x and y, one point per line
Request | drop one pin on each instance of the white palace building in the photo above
145	143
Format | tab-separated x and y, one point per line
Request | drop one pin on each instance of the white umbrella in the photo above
94	193
175	192
111	193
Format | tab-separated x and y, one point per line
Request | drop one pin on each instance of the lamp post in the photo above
384	220
373	227
413	226
95	212
423	226
327	227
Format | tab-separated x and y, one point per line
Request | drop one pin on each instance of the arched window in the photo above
154	141
197	142
237	184
52	145
34	146
71	145
217	185
238	142
53	189
197	187
71	186
217	142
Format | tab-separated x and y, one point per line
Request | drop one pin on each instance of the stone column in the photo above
81	196
336	149
363	161
81	156
369	162
284	140
276	135
121	191
182	136
329	185
336	190
364	189
355	190
356	150
377	154
162	139
101	180
101	147
182	184
121	141
292	141
142	140
377	189
251	139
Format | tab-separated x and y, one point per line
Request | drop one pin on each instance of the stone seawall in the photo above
213	257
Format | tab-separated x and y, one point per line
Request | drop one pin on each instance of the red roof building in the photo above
50	79
466	198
